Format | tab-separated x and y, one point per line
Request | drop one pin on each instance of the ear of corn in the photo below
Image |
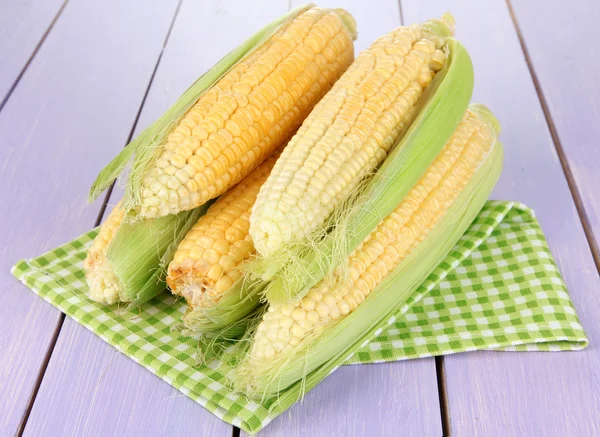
348	134
208	265
128	262
157	131
297	344
232	118
439	112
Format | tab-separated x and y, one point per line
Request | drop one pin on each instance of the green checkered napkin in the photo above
499	288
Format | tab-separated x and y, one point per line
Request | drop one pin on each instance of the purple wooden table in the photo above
78	78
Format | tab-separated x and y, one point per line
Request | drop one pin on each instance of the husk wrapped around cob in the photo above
297	344
128	262
294	270
356	126
224	126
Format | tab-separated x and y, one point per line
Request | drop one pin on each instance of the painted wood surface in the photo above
56	131
22	26
524	394
399	399
559	42
77	400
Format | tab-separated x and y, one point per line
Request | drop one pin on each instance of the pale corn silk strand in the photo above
347	135
285	329
237	123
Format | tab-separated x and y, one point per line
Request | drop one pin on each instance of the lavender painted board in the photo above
90	389
115	395
389	399
22	26
566	64
399	399
524	394
55	133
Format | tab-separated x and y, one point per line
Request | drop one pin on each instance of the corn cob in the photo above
208	261
348	134
296	338
242	117
103	284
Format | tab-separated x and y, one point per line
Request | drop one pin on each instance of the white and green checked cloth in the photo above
499	289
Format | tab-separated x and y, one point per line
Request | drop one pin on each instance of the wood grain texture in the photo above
90	389
399	399
565	63
56	131
111	394
22	26
390	399
524	394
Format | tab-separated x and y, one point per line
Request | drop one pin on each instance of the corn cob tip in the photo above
348	20
104	287
489	119
102	283
443	27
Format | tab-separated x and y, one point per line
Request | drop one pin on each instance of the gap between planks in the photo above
581	212
35	51
103	208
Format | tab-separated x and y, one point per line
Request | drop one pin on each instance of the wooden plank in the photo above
390	399
111	394
565	66
493	393
90	389
22	27
58	129
399	399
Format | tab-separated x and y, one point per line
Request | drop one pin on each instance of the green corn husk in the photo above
140	253
288	377
227	316
214	342
145	146
441	109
